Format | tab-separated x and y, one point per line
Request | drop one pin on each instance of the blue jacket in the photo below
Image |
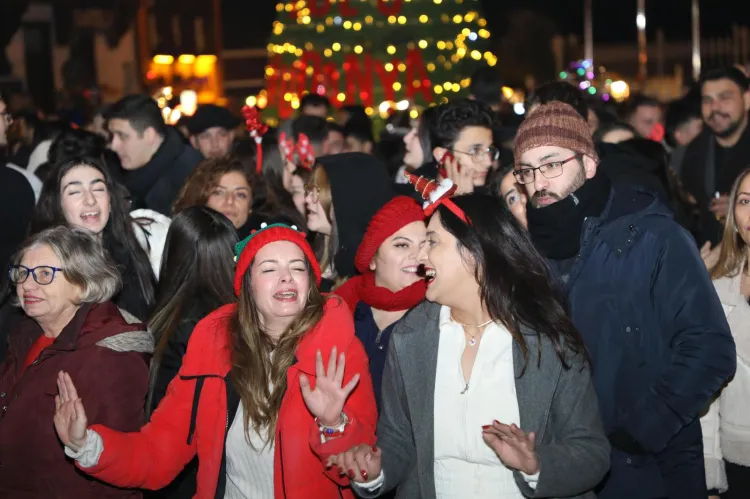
375	343
660	345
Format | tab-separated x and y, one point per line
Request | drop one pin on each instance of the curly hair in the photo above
204	179
450	119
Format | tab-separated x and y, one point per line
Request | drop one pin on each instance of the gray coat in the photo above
558	404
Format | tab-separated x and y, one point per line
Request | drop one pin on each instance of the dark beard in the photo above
578	181
730	130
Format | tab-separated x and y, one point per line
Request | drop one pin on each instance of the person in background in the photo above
358	136
258	427
344	193
715	158
643	114
503	184
196	279
389	284
154	158
224	185
658	356
486	87
462	143
487	391
212	130
300	179
314	105
63	282
417	156
334	142
79	192
98	123
317	131
353	111
683	124
726	426
616	132
561	91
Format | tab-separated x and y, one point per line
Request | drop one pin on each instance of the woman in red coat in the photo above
253	398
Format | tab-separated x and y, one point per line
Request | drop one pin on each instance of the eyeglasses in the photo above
7	117
548	170
478	155
313	191
43	274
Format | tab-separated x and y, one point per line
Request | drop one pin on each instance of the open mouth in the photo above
90	216
286	296
429	275
411	270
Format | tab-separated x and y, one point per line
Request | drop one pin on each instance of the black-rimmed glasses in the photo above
43	274
548	170
479	154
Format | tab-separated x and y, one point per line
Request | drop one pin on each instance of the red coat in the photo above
107	358
152	457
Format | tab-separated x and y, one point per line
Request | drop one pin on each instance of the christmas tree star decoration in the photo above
376	53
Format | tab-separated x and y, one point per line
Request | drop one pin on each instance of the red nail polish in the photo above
485	427
350	473
374	449
496	421
328	467
364	474
341	471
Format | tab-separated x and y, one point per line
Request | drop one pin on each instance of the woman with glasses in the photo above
64	283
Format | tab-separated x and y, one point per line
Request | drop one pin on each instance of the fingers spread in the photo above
319	369
332	362
351	385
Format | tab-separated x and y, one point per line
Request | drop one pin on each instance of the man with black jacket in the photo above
155	159
640	295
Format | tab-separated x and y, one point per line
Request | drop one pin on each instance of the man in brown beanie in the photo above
640	296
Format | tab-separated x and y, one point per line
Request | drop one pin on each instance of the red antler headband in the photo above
436	194
303	148
257	129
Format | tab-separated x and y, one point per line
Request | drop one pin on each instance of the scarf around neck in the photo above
556	229
363	288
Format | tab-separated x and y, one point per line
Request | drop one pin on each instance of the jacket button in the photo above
2	394
627	329
5	408
629	461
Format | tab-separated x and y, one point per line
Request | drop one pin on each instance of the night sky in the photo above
610	18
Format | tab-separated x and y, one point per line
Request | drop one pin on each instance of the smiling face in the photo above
742	210
397	260
545	191
450	273
514	198
724	106
84	198
232	198
46	303
280	283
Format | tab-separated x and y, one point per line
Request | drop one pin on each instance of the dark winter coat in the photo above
106	355
660	344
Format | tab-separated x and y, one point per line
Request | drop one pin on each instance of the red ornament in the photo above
391	8
317	10
257	129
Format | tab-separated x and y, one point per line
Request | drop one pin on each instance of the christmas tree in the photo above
382	54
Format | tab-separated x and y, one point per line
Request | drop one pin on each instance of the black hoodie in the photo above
360	186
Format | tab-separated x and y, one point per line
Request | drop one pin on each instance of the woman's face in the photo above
450	277
46	302
414	156
280	283
288	174
298	194
514	198
317	221
232	198
742	210
84	198
397	260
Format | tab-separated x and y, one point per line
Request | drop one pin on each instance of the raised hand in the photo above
326	401
361	463
70	417
462	176
516	449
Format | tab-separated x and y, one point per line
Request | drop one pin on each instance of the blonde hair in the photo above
325	246
82	256
733	252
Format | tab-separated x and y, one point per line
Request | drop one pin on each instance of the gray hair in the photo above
84	259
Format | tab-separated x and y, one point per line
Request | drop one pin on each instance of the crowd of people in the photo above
467	306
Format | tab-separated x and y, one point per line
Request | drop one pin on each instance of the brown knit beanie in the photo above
555	124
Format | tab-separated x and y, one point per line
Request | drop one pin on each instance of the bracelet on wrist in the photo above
327	432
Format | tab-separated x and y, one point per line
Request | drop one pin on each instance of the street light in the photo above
588	32
696	40
640	21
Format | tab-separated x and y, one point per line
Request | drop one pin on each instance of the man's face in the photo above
470	151
334	143
685	133
724	106
5	122
353	144
543	191
645	118
135	150
320	111
214	142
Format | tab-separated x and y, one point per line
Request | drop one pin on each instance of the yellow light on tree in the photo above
357	26
457	18
438	89
402	19
437	2
396	86
441	45
402	67
369	111
347	24
328	52
341	97
252	100
369	19
358	49
336	46
320	28
391	49
392	19
423	18
388	67
414	114
423	44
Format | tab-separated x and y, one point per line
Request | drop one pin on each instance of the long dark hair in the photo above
196	275
516	285
118	237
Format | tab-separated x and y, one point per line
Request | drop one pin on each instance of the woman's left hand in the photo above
326	401
515	448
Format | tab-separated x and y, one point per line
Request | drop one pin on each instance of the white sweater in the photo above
726	426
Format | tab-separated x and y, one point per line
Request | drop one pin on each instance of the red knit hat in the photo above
249	247
392	217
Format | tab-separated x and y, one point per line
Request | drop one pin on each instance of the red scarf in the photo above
363	288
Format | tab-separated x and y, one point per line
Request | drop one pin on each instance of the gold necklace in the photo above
472	339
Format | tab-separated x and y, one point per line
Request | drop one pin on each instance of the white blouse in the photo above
249	465
465	466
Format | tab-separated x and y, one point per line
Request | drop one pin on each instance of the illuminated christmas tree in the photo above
382	54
